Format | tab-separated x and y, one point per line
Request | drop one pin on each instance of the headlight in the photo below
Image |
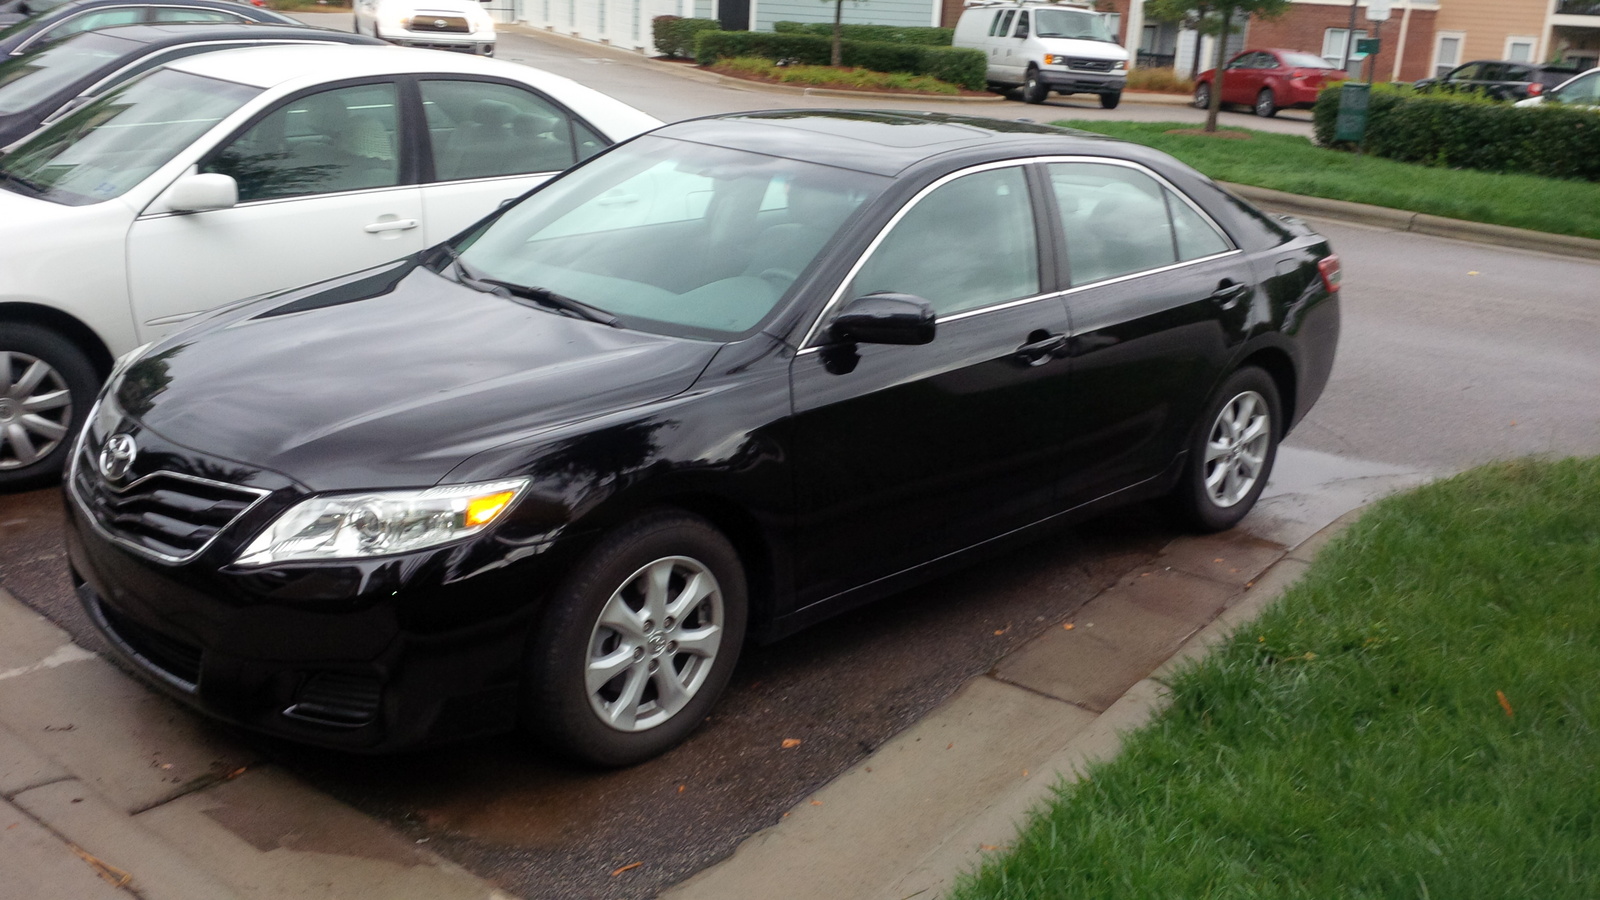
1120	67
358	526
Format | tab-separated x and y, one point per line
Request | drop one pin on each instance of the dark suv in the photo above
1500	79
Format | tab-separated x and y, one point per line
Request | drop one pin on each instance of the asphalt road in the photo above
1453	354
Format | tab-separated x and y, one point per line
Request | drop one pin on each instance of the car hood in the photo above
391	378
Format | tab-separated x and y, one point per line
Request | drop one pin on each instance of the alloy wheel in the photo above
654	644
35	409
1236	449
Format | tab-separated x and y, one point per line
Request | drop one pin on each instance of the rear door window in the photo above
482	129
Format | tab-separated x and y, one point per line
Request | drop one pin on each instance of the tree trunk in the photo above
838	30
1217	71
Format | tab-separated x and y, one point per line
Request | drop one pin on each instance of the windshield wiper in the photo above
542	296
547	297
35	187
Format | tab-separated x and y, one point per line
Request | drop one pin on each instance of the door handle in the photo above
392	225
1229	293
1040	349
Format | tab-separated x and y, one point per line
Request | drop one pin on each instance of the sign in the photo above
1351	123
1367	47
1378	10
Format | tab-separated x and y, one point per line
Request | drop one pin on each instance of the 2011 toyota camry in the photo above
717	383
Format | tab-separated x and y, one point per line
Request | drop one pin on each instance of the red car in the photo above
1269	80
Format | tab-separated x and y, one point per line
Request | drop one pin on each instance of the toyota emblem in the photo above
439	23
116	457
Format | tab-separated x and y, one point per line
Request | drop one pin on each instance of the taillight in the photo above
1328	267
1535	89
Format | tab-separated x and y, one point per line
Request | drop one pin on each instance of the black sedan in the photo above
47	23
39	83
722	381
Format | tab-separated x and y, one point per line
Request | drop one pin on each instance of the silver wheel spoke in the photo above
603	670
42	402
697	589
619	618
624	711
21	445
43	427
671	694
655	594
701	642
31	379
1216	450
5	374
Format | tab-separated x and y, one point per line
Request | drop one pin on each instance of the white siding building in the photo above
626	23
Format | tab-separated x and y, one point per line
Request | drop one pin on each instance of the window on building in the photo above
1447	51
1519	49
1335	42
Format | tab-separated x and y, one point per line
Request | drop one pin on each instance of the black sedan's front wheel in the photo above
1232	453
639	641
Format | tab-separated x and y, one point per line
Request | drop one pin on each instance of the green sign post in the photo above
1351	124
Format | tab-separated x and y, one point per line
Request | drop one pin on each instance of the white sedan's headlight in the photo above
358	526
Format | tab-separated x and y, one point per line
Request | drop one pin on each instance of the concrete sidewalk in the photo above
108	790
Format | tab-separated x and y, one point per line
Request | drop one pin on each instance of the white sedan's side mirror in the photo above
197	193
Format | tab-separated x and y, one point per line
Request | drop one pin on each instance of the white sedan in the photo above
462	25
239	172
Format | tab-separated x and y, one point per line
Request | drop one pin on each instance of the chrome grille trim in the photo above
79	479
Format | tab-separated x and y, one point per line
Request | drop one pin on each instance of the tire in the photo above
1202	96
602	611
1034	90
46	386
1110	101
1232	452
1266	104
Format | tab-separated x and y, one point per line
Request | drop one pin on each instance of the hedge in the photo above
880	34
1463	132
959	66
674	35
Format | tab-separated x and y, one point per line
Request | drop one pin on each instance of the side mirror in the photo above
198	193
885	318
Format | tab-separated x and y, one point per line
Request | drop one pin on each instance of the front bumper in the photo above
1068	81
477	47
369	656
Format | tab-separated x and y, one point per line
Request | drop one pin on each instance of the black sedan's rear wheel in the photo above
638	642
46	385
1232	452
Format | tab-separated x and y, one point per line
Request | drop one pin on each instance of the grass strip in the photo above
1417	718
1292	163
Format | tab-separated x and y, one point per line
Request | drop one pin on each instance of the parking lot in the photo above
1452	354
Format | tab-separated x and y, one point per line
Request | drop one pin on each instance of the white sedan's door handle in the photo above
391	225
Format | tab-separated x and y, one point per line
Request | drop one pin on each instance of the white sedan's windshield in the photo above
1071	23
112	143
685	238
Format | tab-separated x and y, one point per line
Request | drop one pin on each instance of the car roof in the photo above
269	67
882	142
165	34
231	5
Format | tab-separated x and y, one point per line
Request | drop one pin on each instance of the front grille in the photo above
424	23
1083	64
168	655
338	698
169	516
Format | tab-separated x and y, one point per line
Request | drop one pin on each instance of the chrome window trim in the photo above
809	345
94	521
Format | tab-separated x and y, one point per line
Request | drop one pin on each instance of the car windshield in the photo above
1298	60
1071	23
101	149
670	236
30	78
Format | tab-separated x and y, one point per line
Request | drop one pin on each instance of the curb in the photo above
871	823
1419	223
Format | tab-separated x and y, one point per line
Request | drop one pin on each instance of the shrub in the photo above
881	34
1466	132
828	76
674	35
1166	79
959	66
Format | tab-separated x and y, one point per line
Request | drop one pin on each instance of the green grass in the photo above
830	77
1352	743
1294	164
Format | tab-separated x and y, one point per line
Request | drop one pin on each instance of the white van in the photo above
1043	46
